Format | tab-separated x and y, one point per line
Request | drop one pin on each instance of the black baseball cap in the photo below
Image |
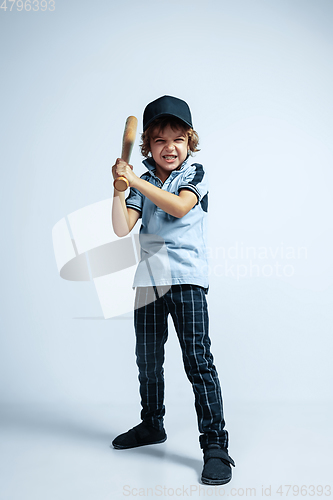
167	106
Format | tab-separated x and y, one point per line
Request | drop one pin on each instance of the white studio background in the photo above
258	76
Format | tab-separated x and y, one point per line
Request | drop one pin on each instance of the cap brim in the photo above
160	115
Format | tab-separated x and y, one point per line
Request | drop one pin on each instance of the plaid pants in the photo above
188	308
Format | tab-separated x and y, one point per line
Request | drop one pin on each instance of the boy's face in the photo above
169	148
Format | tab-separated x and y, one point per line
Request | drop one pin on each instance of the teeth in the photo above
169	157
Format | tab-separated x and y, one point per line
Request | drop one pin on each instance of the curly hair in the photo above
159	125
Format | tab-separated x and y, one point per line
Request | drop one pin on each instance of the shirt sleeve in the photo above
134	200
196	181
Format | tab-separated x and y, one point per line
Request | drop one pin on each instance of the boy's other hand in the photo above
124	169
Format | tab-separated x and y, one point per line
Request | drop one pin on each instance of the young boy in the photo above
172	200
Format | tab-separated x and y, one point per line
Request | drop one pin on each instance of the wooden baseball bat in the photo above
121	183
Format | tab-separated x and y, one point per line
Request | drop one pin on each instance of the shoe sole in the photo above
215	482
119	447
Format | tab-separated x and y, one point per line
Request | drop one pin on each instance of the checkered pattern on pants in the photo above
188	308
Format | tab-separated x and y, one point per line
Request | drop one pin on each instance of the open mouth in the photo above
170	157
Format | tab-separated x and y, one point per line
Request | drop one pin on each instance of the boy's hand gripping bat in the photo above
121	183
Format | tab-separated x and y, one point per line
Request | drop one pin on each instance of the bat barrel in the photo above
121	183
129	137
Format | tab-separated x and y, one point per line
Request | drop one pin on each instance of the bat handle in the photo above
121	183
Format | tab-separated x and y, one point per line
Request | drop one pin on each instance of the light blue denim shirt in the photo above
173	250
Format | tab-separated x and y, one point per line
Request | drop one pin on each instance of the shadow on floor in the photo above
161	453
54	423
82	427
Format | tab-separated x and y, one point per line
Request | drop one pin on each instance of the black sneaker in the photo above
140	435
216	468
